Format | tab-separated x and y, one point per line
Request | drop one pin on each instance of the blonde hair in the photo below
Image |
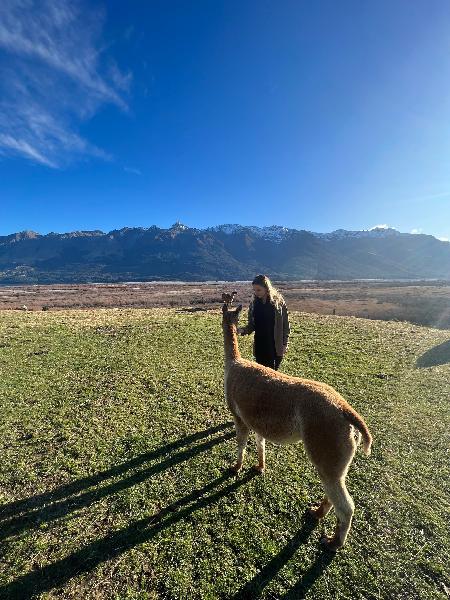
272	293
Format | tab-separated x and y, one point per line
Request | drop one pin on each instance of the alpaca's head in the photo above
230	317
228	298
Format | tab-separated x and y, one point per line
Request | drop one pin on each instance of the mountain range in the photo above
224	252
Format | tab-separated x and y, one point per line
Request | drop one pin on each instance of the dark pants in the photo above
272	361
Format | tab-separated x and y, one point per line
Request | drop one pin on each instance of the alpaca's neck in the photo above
230	343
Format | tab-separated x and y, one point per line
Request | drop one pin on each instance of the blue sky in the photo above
316	115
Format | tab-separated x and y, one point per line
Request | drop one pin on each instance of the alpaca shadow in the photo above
439	355
254	588
19	506
116	543
87	558
302	587
43	508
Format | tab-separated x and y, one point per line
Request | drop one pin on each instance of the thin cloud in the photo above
53	75
9	143
132	170
417	230
444	239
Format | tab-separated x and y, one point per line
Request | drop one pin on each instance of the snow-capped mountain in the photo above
224	252
278	233
275	233
375	232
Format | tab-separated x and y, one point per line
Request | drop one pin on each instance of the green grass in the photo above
115	439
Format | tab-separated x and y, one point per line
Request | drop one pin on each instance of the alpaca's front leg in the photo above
242	433
261	446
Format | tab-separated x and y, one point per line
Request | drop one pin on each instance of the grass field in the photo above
115	442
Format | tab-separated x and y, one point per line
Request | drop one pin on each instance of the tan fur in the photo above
285	409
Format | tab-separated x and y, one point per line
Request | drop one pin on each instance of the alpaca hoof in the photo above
330	543
316	512
259	469
236	468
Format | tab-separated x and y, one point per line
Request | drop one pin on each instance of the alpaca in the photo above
285	409
228	298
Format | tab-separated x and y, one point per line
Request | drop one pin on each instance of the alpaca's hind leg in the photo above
344	508
321	511
261	445
242	433
332	459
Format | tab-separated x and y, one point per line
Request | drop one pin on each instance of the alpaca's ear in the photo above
225	308
239	308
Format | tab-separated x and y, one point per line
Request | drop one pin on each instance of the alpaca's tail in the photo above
357	421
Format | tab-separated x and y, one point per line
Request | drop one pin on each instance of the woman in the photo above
268	318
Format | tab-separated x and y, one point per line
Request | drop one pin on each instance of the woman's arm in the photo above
250	327
286	325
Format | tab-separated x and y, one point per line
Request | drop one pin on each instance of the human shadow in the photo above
32	512
87	558
438	355
254	588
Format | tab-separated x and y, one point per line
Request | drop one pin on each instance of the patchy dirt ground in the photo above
423	303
